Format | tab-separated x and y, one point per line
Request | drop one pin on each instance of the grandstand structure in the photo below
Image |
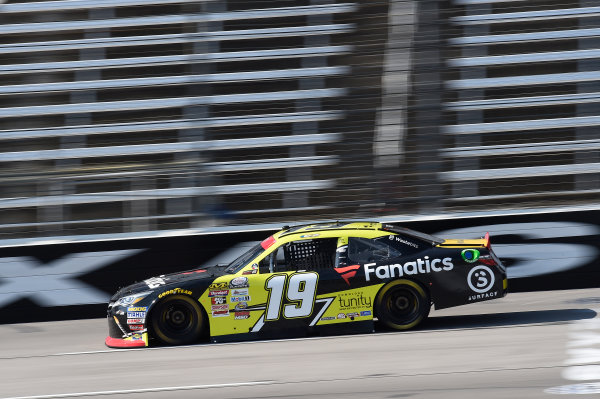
132	117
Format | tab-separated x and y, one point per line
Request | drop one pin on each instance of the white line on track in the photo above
142	390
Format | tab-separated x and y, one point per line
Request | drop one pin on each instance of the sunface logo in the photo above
480	279
347	272
420	266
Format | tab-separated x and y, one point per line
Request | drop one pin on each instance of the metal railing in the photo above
523	122
167	126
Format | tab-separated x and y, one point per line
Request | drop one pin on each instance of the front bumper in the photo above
127	342
119	335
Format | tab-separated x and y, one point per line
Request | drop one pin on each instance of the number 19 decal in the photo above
301	291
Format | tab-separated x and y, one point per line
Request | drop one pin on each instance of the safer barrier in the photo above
543	251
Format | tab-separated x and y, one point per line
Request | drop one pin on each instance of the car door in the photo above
286	286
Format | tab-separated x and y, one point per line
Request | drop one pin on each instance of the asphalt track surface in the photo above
530	345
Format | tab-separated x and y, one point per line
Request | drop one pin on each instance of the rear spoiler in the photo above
477	242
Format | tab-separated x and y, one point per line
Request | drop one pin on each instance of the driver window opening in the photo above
316	254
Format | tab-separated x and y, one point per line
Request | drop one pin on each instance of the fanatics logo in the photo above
347	272
420	266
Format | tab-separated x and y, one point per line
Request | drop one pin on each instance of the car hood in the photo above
163	281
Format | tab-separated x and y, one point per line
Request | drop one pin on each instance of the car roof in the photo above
338	225
356	225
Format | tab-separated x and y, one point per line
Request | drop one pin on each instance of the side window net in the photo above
310	254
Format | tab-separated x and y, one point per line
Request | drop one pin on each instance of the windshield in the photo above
243	260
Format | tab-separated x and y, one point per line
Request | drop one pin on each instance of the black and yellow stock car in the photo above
310	279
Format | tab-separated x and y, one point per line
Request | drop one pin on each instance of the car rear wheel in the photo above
402	304
177	320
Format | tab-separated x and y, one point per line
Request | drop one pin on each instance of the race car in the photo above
307	280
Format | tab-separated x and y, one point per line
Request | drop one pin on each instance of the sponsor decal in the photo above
309	235
470	255
328	318
365	313
136	321
220	313
480	279
493	294
219	307
347	272
341	316
241	315
155	282
218	293
239	282
136	315
254	266
175	291
403	241
137	309
218	286
240	306
419	266
240	298
355	301
218	300
353	314
136	327
137	337
250	271
243	291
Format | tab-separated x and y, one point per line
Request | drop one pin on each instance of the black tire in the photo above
402	304
177	320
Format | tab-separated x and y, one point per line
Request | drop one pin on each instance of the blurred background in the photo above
128	117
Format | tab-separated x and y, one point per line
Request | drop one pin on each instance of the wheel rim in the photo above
178	318
402	305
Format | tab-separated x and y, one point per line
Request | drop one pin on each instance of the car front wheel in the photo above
402	304
177	320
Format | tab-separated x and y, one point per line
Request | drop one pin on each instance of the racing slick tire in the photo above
402	304
177	320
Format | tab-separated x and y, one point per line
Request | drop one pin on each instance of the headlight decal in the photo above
131	299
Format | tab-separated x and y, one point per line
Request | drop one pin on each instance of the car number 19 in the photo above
301	291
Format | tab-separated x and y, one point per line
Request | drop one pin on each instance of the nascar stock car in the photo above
311	279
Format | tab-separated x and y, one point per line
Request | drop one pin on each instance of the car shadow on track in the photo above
459	322
506	319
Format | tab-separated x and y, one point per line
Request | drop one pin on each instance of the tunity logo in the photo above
55	283
347	272
480	279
